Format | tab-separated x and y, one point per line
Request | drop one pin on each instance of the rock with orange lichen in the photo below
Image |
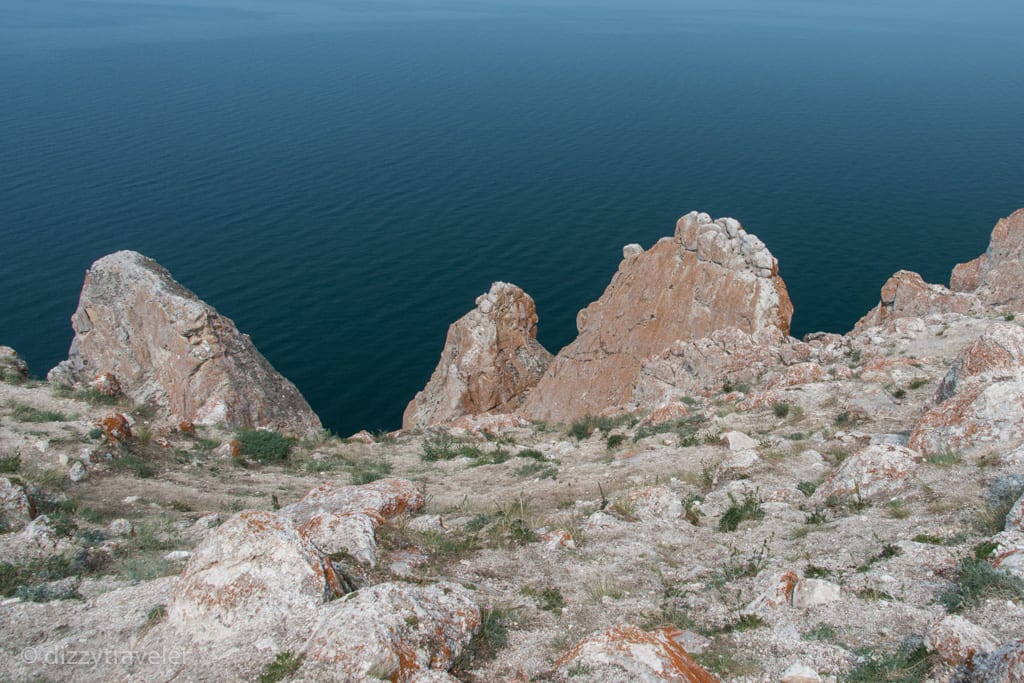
670	412
907	295
628	654
491	356
343	518
115	427
709	276
704	366
997	276
253	575
106	384
171	351
980	402
392	631
1004	665
875	472
958	641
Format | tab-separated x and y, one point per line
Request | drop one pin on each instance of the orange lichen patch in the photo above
236	448
796	375
106	384
666	413
115	427
186	427
632	649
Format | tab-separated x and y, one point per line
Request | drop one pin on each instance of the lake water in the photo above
343	178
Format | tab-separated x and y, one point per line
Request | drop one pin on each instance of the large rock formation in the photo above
980	402
12	368
170	350
996	278
709	276
491	356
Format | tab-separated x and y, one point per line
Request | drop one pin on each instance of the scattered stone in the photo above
362	436
106	384
1004	665
16	508
811	593
738	441
799	673
178	555
13	369
958	641
121	528
116	428
874	472
491	356
652	503
627	650
392	630
77	471
173	352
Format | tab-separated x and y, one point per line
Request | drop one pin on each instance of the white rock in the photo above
121	528
815	592
738	441
959	641
77	471
800	673
178	555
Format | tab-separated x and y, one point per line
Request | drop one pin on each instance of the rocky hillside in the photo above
685	493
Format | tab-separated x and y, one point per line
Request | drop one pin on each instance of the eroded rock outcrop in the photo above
980	402
628	653
877	471
491	356
168	349
997	276
907	295
709	276
13	369
994	279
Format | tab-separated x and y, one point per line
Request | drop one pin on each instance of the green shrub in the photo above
740	511
284	665
26	413
614	441
531	453
780	409
908	664
365	471
10	464
976	578
264	446
807	488
439	446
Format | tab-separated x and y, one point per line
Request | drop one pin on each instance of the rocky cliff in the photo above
709	276
140	332
491	357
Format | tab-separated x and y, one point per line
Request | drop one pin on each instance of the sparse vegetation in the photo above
780	410
10	464
284	665
945	458
975	579
807	488
264	446
132	463
908	664
26	413
366	470
740	511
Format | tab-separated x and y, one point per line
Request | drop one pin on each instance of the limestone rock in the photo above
15	506
1005	665
1015	517
738	441
670	412
168	349
491	356
980	401
393	630
810	593
77	471
628	653
997	276
711	275
799	673
907	295
958	641
253	575
703	366
336	519
13	369
652	503
877	471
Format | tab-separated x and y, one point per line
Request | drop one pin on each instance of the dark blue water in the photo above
343	178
